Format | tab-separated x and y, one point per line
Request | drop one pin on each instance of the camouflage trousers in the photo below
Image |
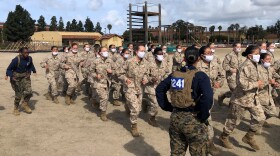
62	81
276	96
236	114
134	104
269	110
187	131
72	81
103	97
153	105
22	87
116	91
53	83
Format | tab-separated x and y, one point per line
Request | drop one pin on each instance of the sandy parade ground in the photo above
58	129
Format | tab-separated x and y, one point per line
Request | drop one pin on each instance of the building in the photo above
109	39
58	38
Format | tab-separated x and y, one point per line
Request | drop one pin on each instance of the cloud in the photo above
95	4
113	17
266	2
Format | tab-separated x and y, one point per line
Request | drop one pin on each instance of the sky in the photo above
114	12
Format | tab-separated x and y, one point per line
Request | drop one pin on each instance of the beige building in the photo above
58	38
109	39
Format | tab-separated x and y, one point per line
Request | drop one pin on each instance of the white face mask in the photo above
160	57
238	50
141	54
113	50
271	50
87	49
98	56
105	54
256	58
209	58
152	50
164	51
74	51
126	56
55	53
213	50
266	64
66	51
263	51
179	50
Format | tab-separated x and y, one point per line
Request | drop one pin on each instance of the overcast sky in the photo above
199	12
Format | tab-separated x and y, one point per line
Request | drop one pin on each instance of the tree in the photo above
19	25
60	24
53	25
73	26
236	27
277	28
220	28
126	36
68	25
80	27
242	31
98	28
255	32
212	29
109	26
41	23
88	25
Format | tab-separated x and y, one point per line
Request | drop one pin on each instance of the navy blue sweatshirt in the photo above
201	90
26	66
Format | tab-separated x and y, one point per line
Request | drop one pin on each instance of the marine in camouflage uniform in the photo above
134	80
178	58
71	64
231	64
246	97
62	82
168	59
100	73
52	66
19	72
276	92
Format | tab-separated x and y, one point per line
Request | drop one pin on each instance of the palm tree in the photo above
220	28
236	26
109	26
212	29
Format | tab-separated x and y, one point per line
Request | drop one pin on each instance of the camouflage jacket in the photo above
265	74
178	58
169	61
73	61
232	61
54	64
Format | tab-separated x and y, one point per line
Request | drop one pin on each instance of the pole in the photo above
146	23
130	23
159	25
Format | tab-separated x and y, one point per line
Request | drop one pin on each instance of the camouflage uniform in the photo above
149	57
246	97
276	92
114	56
72	74
101	86
265	98
87	56
169	61
159	71
178	58
272	58
52	73
62	80
136	72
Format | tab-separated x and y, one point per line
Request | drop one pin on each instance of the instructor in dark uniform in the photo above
191	100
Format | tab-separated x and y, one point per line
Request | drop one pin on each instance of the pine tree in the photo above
53	25
68	26
60	24
41	23
73	26
80	27
89	25
19	25
98	28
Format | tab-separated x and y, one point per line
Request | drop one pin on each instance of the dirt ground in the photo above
57	129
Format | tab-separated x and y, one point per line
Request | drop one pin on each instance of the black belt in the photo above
188	109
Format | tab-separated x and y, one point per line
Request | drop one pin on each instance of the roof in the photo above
108	36
72	35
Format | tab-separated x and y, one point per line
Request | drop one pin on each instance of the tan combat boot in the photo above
225	141
249	139
213	150
72	100
103	116
26	108
134	130
117	103
48	96
55	100
67	99
16	111
152	121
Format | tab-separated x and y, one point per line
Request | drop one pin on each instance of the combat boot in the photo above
55	100
134	130
213	150
67	99
26	108
249	139
72	100
95	103
16	110
103	116
152	121
48	96
79	87
116	103
224	138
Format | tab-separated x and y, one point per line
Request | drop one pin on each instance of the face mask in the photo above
126	56
179	50
74	51
208	58
105	54
98	56
66	51
213	50
263	51
266	64
55	53
141	54
87	49
164	51
113	50
152	50
271	50
256	58
238	50
160	57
